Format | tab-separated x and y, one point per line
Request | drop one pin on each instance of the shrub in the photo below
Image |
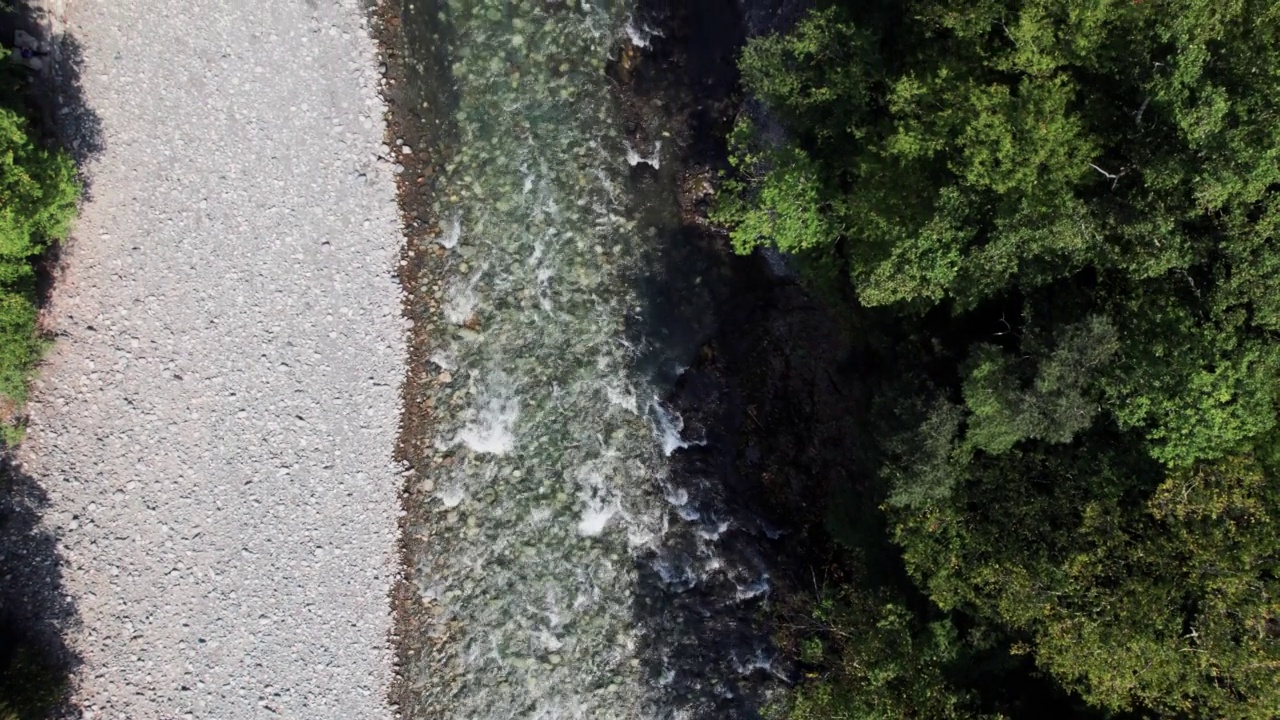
38	194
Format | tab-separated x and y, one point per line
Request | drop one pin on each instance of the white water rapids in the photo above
551	491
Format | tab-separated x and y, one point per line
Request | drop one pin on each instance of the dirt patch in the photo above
423	268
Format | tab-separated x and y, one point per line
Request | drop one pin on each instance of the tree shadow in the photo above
77	124
765	406
55	93
35	612
703	595
760	374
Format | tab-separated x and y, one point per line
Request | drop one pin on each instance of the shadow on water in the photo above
678	98
758	401
35	612
703	599
759	374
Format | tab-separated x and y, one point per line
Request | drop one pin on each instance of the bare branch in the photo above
1110	176
1114	178
1137	118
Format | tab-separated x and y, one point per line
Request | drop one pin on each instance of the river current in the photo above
557	538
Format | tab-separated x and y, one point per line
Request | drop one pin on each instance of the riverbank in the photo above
213	429
422	126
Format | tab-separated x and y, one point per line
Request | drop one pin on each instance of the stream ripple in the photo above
552	516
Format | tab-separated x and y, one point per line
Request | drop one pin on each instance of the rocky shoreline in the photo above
422	272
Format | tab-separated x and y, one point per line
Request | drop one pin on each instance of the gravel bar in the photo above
216	424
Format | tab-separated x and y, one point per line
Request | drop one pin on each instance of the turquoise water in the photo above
549	481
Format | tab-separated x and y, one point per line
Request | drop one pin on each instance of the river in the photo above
558	567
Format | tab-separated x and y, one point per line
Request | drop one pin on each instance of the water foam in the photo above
461	302
640	35
452	233
653	160
451	497
668	426
491	432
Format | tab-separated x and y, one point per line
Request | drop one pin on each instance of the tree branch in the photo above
1114	178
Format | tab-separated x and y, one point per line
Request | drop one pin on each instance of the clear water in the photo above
551	507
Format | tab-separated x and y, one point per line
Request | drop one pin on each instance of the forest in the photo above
1057	225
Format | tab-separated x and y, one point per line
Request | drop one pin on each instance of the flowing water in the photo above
556	537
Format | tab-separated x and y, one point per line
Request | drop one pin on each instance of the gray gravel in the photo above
215	429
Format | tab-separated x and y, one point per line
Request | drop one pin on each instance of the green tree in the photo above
1055	405
1169	603
985	150
1072	211
875	660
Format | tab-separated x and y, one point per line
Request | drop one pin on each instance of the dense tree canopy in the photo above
1072	209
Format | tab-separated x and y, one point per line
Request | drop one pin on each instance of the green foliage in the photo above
878	662
928	454
1202	384
1072	209
816	78
1168	603
780	194
1005	410
38	194
786	203
997	149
